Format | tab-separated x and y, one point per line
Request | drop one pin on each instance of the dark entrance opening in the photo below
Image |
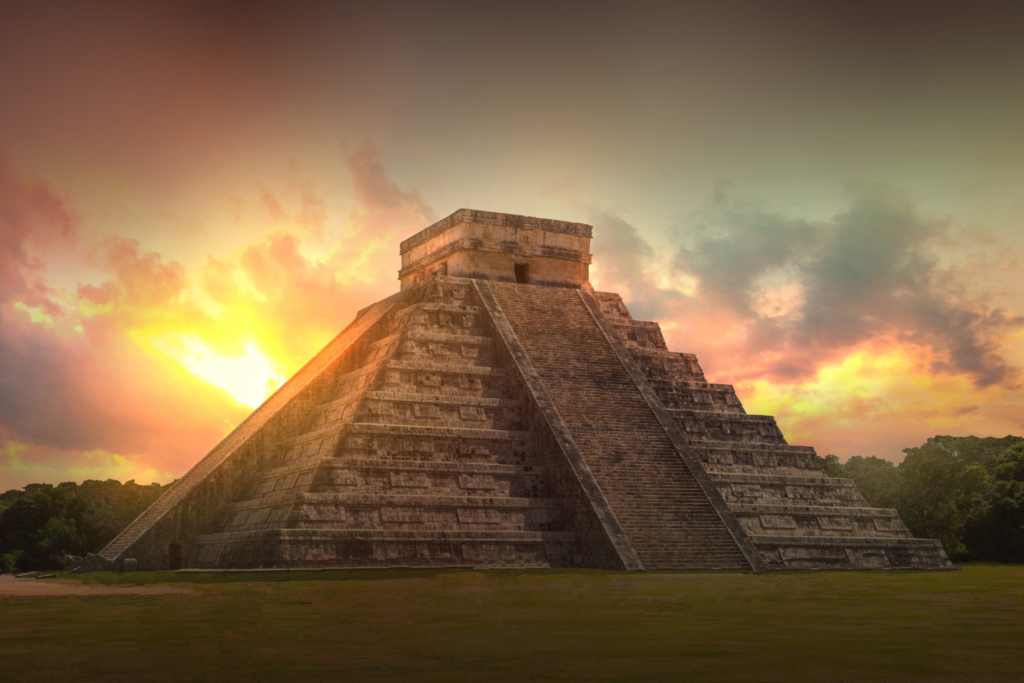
174	556
523	273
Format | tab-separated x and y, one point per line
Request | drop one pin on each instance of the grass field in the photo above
572	625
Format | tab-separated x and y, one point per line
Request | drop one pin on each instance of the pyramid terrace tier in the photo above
688	395
810	520
405	511
426	376
350	548
783	490
644	335
392	407
424	410
800	552
739	457
441	347
708	425
388	476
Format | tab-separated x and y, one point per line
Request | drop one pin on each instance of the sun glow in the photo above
875	384
249	378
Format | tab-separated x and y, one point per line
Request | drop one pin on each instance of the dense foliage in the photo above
41	521
965	491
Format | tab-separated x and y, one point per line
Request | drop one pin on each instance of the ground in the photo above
566	625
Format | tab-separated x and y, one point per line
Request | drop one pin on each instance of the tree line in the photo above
967	492
42	522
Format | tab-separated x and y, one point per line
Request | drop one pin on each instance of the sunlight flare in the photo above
249	378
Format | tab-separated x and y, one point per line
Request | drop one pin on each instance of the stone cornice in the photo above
491	218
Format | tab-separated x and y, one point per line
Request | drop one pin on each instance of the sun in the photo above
248	378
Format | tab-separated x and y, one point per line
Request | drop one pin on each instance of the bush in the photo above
9	562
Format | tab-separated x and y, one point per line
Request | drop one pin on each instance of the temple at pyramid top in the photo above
499	246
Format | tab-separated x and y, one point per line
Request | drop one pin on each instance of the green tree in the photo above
38	524
995	530
1010	463
941	485
112	506
833	468
877	479
60	535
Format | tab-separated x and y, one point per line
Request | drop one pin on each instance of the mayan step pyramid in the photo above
498	412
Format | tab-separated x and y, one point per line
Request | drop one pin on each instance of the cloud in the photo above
623	264
871	271
31	215
737	245
145	278
69	381
376	191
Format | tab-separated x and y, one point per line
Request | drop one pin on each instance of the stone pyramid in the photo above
498	412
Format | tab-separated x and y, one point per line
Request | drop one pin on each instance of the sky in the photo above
823	201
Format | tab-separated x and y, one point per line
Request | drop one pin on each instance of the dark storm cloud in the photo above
871	270
740	244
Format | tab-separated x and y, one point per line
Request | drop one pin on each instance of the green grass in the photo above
572	625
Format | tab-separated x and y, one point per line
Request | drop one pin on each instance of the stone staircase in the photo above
419	458
667	517
796	516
